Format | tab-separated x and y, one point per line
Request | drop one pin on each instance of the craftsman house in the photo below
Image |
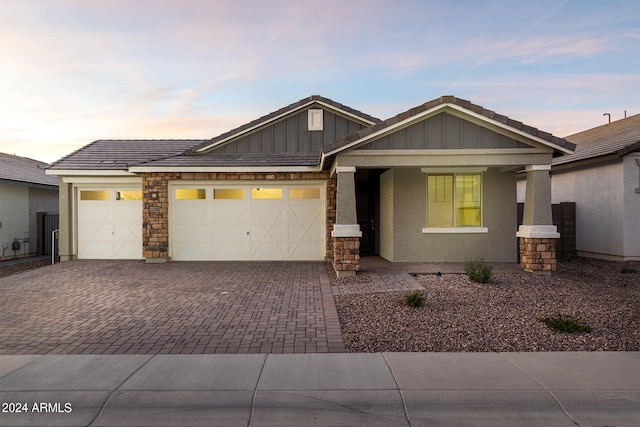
316	180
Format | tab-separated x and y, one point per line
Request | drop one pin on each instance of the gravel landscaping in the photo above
462	316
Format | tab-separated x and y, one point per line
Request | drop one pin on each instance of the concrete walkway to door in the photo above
130	307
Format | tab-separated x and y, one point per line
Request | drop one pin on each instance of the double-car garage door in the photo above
208	222
247	222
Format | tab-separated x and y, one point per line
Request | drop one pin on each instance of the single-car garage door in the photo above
110	223
247	222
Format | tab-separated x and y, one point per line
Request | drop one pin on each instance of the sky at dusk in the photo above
73	71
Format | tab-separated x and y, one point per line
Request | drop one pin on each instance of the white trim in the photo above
538	231
346	230
445	152
531	168
257	169
435	110
105	180
281	116
450	170
454	230
455	215
346	169
93	172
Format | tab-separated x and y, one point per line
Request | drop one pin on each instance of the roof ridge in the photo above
617	125
24	158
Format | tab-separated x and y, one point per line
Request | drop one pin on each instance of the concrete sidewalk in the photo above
380	389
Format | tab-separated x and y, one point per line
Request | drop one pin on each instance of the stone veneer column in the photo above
346	231
537	233
155	216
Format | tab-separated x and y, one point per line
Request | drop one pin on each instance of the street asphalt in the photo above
322	389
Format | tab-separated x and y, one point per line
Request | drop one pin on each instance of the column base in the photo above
346	255
538	255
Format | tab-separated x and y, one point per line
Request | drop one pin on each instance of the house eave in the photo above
233	169
88	172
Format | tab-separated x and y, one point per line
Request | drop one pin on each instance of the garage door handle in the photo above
247	233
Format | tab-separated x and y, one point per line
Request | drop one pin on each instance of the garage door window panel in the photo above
228	194
94	195
266	193
304	193
191	194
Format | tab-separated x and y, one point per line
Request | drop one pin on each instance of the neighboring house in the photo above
316	180
25	192
603	178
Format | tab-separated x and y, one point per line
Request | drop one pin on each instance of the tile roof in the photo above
619	137
22	169
237	160
111	154
283	111
467	105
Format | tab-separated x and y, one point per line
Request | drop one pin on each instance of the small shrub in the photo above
477	270
414	299
566	323
628	270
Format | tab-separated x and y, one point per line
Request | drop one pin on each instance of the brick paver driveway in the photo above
118	307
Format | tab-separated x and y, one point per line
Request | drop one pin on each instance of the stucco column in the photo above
65	224
346	231
537	233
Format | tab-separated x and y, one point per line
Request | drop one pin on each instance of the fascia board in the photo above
239	169
102	180
280	117
444	152
459	112
88	172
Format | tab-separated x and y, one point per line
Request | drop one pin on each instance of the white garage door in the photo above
110	223
248	222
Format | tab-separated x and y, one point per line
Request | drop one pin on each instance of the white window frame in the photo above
460	229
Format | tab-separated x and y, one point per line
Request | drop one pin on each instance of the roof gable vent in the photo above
315	119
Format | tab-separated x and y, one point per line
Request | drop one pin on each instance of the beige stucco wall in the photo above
65	233
386	215
14	207
599	198
409	217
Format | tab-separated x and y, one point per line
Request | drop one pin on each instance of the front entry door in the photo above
367	184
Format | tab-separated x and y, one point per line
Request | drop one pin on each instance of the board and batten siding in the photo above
443	131
291	135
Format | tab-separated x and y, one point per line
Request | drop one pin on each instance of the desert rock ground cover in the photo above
462	316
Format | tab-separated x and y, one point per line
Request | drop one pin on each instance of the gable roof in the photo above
120	154
283	112
461	105
22	169
618	138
